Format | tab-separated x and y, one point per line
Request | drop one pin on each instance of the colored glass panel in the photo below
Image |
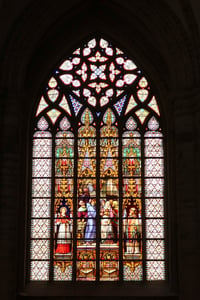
64	167
86	188
87	147
132	234
63	273
109	227
109	117
76	105
63	233
131	167
131	163
109	167
132	187
111	146
64	148
65	134
131	145
109	187
132	271
86	271
109	270
64	152
63	203
64	187
131	124
86	167
120	104
109	203
86	204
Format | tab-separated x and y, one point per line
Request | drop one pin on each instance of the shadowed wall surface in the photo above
163	39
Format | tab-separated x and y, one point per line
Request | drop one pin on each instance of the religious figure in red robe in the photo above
63	232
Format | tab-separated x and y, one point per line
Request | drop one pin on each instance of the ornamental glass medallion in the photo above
97	195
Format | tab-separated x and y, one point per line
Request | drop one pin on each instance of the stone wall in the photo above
164	42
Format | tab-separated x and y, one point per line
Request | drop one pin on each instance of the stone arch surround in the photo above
152	34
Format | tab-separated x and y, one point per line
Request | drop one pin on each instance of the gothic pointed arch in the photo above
97	199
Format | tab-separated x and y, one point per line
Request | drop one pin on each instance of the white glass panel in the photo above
155	249
40	249
53	94
155	228
154	208
142	114
42	134
42	105
41	168
40	228
153	147
41	208
153	124
52	82
154	106
155	270
64	104
39	270
53	115
42	148
154	167
154	187
41	187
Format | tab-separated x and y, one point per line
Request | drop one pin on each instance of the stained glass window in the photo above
98	184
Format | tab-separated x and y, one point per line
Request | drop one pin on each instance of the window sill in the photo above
143	291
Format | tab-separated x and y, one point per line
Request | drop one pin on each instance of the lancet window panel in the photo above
98	178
